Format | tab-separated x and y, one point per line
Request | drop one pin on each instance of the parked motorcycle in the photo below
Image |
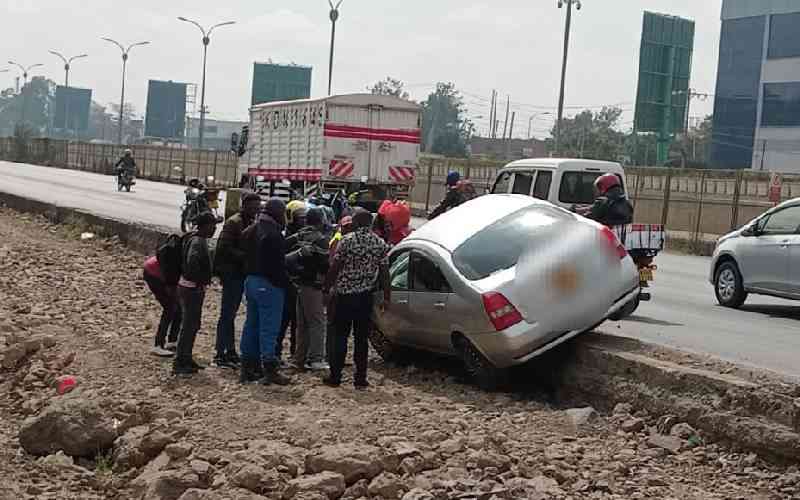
199	198
125	180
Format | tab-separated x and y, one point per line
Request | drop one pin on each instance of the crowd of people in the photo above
299	275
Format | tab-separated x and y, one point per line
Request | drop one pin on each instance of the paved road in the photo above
683	312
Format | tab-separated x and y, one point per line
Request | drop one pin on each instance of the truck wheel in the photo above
728	286
481	371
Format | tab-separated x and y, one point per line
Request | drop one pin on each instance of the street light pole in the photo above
530	121
125	53
25	71
567	29
67	63
206	42
334	16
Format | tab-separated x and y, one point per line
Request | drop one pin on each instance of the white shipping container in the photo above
345	138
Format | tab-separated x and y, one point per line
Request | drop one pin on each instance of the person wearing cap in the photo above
229	266
196	272
360	263
611	206
265	289
308	258
452	198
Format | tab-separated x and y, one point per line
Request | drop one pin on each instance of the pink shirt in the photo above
152	268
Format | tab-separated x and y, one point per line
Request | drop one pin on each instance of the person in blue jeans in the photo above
265	288
229	266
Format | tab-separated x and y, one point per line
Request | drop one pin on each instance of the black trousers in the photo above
352	313
288	322
171	316
191	300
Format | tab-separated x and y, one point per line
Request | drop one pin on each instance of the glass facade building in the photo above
757	98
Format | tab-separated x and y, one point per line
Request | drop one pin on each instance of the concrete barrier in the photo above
760	415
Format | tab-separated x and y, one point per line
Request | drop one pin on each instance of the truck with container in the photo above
365	146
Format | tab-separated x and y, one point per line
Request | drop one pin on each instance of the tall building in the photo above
166	110
280	82
757	103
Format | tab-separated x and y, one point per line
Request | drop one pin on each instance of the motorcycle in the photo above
199	198
125	180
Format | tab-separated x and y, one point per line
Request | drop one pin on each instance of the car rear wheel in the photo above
626	310
386	349
729	286
481	371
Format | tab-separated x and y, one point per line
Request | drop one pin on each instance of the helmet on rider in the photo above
128	152
295	208
453	178
606	182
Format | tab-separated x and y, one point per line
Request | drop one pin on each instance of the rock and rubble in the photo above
131	431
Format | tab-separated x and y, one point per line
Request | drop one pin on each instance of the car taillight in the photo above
501	312
614	242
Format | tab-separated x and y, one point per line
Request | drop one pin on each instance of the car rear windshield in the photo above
500	245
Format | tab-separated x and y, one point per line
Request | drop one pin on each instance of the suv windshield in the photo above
500	245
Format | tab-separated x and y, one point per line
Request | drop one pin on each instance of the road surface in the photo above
683	313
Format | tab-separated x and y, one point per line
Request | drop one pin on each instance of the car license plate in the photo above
645	275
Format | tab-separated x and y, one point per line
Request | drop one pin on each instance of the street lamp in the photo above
334	15
569	3
25	71
530	121
67	63
125	53
206	41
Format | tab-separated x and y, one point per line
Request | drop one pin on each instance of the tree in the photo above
37	100
592	135
694	147
445	128
389	86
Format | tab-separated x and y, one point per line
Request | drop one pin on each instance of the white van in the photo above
563	182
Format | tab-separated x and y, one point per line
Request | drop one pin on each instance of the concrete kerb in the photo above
598	369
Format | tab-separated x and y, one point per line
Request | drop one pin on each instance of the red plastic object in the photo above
66	384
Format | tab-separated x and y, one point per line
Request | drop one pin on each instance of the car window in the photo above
502	183
577	187
500	245
785	221
522	183
398	271
541	190
426	276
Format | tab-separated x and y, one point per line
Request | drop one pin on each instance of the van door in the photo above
503	183
523	183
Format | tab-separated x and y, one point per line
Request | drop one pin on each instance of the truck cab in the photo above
562	182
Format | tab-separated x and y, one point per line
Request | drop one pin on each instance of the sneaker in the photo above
161	352
224	363
330	382
361	385
233	358
318	366
171	346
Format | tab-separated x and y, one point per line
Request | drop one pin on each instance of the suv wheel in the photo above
480	370
728	285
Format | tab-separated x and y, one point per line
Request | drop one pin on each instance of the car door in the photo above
430	293
765	259
395	321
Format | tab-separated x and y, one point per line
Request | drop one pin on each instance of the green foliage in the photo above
389	86
445	128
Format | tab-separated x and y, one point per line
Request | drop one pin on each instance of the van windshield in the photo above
500	245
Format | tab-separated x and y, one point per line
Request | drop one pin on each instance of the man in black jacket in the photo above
308	258
229	266
196	271
265	288
611	206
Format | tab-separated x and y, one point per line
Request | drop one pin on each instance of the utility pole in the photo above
125	53
567	29
510	135
491	112
334	16
206	42
508	109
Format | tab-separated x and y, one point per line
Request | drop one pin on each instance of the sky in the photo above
512	46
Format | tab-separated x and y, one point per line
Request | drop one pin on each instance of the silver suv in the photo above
761	258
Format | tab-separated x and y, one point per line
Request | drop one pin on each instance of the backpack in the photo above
170	258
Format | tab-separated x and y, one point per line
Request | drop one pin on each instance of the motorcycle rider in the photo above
611	206
126	164
452	199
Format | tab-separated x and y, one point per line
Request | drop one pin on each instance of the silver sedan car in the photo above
761	258
500	280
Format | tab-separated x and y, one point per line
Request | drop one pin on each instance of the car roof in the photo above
453	228
556	163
